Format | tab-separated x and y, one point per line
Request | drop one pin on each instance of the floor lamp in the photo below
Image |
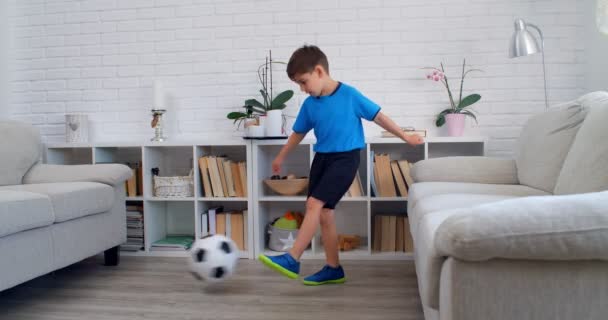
523	43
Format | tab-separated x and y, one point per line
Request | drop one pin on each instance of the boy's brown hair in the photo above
305	59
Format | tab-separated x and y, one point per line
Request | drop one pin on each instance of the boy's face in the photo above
311	82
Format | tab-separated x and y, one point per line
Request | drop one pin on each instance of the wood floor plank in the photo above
161	288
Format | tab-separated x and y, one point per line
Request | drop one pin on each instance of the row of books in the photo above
392	233
135	229
223	177
232	224
356	188
134	185
391	178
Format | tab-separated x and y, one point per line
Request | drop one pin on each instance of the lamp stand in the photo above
542	44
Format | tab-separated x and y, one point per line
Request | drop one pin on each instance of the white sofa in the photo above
52	216
522	238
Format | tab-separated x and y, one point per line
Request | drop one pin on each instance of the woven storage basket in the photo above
287	187
179	186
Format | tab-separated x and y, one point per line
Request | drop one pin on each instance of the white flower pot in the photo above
274	123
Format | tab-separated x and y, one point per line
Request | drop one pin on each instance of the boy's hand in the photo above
276	165
414	139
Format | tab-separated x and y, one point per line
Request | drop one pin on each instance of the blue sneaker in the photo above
284	264
326	275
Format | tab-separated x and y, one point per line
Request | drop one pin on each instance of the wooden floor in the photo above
161	288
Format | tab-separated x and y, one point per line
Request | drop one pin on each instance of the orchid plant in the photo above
255	108
456	106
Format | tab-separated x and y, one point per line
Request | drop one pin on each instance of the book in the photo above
174	242
405	167
407	130
398	178
202	164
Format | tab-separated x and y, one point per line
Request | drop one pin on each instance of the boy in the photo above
334	110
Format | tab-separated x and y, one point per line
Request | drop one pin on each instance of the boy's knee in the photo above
327	216
314	204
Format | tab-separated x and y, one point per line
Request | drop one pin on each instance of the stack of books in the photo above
222	177
173	242
407	130
232	224
391	178
135	228
356	188
392	234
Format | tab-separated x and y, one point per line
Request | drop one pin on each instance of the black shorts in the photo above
331	175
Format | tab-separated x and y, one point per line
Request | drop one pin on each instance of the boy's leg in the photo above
332	272
308	228
330	237
288	264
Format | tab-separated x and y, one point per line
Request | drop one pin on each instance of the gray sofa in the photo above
522	238
52	216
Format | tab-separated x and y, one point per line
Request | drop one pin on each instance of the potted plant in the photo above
270	106
455	115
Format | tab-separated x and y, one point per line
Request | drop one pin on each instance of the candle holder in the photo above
157	124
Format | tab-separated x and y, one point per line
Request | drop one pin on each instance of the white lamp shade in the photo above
522	42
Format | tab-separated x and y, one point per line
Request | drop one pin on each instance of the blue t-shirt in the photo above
336	119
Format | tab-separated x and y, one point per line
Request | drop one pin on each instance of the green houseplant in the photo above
269	102
456	106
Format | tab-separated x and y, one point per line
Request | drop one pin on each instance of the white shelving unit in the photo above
164	216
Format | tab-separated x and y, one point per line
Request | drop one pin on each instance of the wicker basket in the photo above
178	187
287	187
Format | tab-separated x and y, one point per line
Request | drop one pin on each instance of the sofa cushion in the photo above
586	166
21	210
420	190
20	150
567	227
434	203
540	153
72	200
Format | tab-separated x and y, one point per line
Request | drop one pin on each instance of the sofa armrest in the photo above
111	174
466	169
570	227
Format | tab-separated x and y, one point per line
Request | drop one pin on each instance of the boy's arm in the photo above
389	125
294	139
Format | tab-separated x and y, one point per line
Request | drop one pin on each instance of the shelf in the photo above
283	198
181	215
233	199
388	198
354	199
170	253
170	199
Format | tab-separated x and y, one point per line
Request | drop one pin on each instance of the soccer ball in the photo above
213	258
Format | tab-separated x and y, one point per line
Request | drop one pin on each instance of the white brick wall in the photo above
101	57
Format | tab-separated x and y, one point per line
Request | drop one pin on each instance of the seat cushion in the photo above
427	259
71	200
420	190
434	203
21	210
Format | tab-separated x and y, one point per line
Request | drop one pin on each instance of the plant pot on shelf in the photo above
254	131
455	123
274	123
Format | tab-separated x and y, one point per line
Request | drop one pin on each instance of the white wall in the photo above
4	44
596	45
101	56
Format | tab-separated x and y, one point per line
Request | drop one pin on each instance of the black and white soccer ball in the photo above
213	258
